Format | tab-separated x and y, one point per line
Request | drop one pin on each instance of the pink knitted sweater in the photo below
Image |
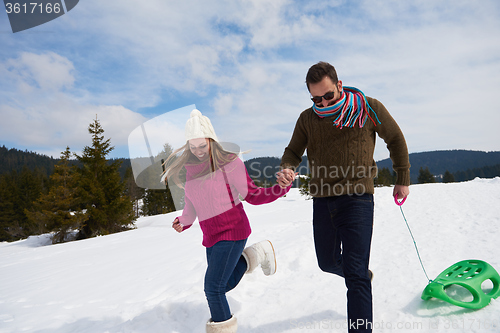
215	200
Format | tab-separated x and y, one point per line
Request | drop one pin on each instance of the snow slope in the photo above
151	279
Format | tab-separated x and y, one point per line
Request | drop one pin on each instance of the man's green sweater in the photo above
341	160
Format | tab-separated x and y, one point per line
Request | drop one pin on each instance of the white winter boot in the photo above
228	326
262	254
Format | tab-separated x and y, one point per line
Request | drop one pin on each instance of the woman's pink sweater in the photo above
220	214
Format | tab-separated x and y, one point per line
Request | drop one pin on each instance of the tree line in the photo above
15	160
77	200
77	197
462	164
387	178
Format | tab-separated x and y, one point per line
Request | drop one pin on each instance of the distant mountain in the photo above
440	161
264	168
14	160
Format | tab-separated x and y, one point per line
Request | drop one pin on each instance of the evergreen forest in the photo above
73	197
81	196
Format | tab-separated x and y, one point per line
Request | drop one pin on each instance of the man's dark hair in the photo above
318	71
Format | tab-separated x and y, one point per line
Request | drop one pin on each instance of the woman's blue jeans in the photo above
226	267
343	228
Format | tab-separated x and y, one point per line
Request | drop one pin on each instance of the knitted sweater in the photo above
214	199
341	159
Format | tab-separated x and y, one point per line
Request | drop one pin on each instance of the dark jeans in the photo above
226	267
342	235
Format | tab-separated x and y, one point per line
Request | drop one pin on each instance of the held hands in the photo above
177	225
286	177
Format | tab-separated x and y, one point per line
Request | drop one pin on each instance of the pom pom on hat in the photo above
195	113
199	126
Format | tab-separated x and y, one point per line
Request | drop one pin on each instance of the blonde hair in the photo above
218	158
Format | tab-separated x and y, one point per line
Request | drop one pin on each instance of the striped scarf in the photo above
352	107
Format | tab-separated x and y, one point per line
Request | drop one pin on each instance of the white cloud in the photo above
46	71
40	111
426	61
223	104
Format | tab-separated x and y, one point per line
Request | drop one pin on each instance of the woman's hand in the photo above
177	225
285	177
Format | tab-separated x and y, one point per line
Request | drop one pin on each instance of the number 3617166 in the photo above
33	8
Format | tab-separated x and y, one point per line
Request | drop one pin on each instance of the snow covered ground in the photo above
151	279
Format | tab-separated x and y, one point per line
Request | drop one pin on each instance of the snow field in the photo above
151	279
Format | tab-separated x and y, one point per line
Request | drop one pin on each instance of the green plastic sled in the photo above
469	274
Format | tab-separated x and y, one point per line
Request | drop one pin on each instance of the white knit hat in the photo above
199	126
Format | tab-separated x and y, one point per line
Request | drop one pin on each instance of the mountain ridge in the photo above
438	162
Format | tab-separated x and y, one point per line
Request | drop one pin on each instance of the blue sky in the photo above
435	65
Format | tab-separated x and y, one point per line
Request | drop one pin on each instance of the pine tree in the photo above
425	176
58	209
108	209
304	186
448	177
384	178
156	202
18	191
7	210
159	201
135	192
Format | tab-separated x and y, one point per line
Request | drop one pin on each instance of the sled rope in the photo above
414	242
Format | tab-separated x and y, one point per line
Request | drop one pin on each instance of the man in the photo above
338	132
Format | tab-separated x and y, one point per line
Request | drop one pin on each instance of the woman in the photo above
215	179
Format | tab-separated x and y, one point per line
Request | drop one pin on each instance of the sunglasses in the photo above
327	97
